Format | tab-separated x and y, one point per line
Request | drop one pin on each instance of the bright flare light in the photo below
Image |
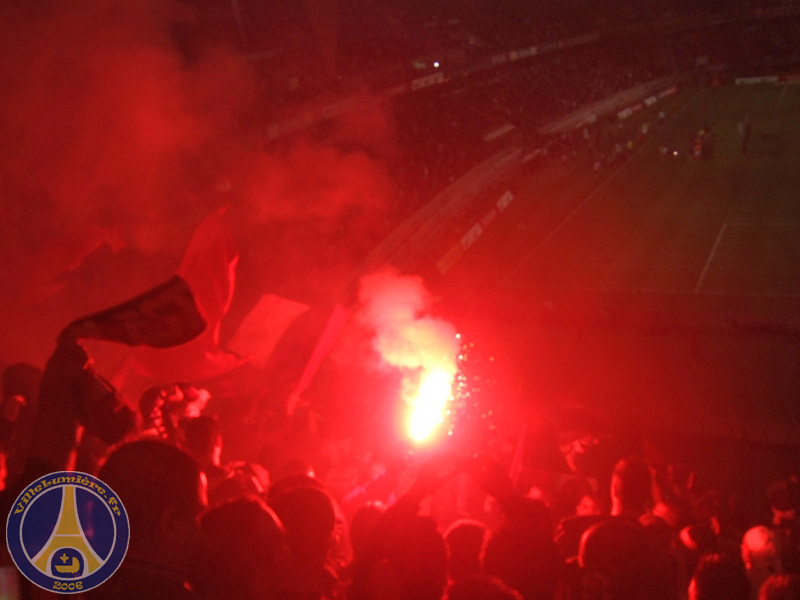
427	410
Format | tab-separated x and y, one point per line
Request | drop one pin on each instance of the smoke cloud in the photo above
406	336
119	133
420	346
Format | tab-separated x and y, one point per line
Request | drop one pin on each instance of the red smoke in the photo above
103	120
312	182
408	338
117	137
104	127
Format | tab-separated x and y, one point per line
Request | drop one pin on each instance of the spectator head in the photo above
696	541
783	499
203	440
716	578
524	556
464	540
699	539
308	516
362	524
419	560
535	516
163	491
244	480
780	587
616	550
570	531
761	554
671	512
407	559
296	467
21	379
665	563
21	384
241	551
148	401
289	482
588	505
631	488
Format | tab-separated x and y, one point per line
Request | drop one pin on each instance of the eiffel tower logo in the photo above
67	553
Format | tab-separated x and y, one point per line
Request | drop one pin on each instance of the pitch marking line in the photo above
710	257
763	224
649	141
665	292
719	239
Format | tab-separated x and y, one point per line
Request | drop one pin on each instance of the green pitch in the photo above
727	224
665	291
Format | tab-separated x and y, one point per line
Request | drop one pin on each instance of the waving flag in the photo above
165	316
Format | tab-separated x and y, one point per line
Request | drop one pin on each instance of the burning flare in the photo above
421	346
428	408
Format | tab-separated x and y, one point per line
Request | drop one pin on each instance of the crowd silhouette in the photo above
204	528
205	525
